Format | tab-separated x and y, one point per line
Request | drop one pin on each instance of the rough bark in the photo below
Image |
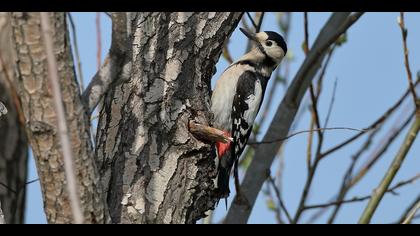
41	120
13	142
153	170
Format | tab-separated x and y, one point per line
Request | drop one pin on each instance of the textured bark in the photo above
13	143
41	120
153	170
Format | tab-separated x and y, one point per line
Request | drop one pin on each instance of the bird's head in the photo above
269	43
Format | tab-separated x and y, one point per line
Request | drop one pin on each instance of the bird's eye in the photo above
268	43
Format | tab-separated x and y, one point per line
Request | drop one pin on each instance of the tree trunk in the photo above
13	142
152	169
41	119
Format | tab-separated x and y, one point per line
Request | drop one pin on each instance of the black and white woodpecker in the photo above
237	98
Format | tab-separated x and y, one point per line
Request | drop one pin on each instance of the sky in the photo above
370	74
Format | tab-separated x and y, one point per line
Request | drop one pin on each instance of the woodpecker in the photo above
237	98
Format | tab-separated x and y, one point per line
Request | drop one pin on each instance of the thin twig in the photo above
314	111
383	147
401	23
408	210
98	40
327	119
345	186
273	206
315	120
257	22
410	217
390	174
115	69
252	20
245	25
279	199
15	191
350	179
61	119
76	50
373	126
307	131
361	199
306	31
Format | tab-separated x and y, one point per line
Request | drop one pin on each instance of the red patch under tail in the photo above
222	148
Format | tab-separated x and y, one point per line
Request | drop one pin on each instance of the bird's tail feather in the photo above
223	181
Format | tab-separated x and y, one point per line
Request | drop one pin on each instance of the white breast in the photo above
222	97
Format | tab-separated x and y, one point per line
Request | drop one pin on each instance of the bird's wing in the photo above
3	110
246	104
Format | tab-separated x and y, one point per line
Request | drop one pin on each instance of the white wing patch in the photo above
253	102
3	110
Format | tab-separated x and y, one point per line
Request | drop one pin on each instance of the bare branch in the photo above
98	39
408	210
62	123
252	20
373	126
410	217
350	179
256	22
76	50
390	174
401	23
327	119
383	147
279	199
306	131
113	67
361	199
285	114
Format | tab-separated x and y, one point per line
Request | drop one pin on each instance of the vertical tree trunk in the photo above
153	170
41	120
13	142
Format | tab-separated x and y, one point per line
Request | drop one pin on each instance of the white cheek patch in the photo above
275	52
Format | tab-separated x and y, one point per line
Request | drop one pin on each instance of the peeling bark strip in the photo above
41	120
13	142
154	170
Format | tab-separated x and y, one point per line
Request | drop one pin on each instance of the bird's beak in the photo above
249	35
